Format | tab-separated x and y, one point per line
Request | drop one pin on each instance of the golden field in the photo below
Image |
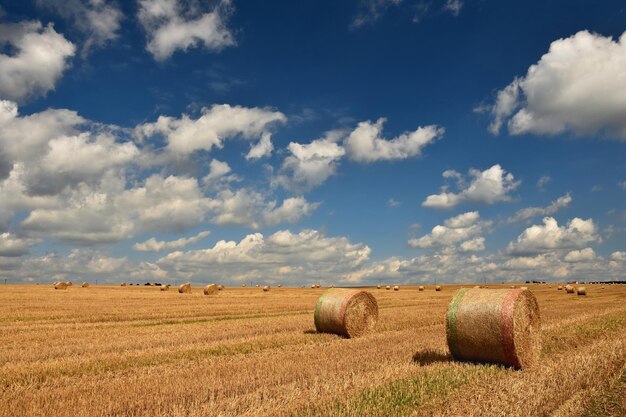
138	351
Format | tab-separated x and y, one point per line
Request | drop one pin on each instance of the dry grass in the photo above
249	353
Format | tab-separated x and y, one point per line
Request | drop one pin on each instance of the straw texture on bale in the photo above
581	291
437	287
266	288
494	325
346	312
569	289
60	285
421	288
185	288
396	288
85	284
211	289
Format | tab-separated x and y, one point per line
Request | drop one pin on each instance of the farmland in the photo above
138	351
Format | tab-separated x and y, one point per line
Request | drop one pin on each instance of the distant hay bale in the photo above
210	289
437	287
69	283
279	285
313	286
165	288
569	289
60	285
396	288
346	312
378	286
257	285
123	284
266	288
243	285
220	287
581	291
388	287
184	288
523	288
85	284
494	325
420	288
560	287
317	286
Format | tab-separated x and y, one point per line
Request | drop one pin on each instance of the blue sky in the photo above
295	142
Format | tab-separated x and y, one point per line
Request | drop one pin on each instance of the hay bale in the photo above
266	288
165	288
69	283
569	289
437	287
494	325
279	285
379	286
210	289
388	287
560	287
523	288
581	291
184	288
396	288
123	284
313	286
60	285
243	285
317	286
420	288
220	287
85	284
346	312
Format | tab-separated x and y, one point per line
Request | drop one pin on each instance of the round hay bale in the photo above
60	285
523	288
85	284
494	325
266	288
569	289
379	286
346	312
313	286
243	285
560	287
388	287
279	285
220	287
317	286
581	291
257	285
185	288
165	288
210	289
69	283
396	288
437	287
123	284
420	288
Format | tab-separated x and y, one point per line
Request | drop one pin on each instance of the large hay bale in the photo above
560	287
494	325
266	288
185	288
210	289
313	286
165	288
60	285
569	289
378	286
85	284
388	287
437	287
581	291
420	288
346	312
396	288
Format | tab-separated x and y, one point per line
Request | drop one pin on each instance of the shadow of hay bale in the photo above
429	356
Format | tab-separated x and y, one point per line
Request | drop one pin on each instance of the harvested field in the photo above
137	351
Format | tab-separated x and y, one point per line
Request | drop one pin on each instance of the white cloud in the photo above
309	165
98	20
454	6
487	187
583	255
454	230
290	211
371	10
262	149
543	181
13	246
550	236
623	185
618	256
530	212
393	202
218	123
40	58
577	86
153	245
310	253
474	245
176	25
364	144
219	175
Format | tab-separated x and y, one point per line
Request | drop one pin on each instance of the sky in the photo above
280	142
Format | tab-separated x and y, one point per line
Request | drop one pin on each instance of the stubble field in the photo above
137	351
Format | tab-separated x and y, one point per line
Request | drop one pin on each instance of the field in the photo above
137	351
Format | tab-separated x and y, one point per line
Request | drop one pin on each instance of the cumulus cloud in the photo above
583	255
462	228
39	59
550	236
216	124
577	86
153	245
97	20
486	187
262	149
371	10
173	25
530	212
13	246
309	252
309	165
365	144
618	256
219	175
